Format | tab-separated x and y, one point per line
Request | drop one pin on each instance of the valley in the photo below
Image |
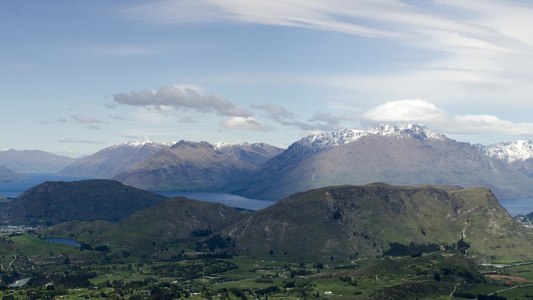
393	213
75	273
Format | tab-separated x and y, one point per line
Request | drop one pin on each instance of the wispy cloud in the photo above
186	120
275	112
240	123
477	45
85	119
93	127
80	141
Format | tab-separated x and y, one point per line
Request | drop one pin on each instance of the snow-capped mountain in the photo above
518	154
509	151
328	140
406	155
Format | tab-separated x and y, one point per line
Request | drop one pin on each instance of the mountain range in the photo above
410	155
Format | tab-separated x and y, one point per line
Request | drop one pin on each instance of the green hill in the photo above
175	220
85	200
377	219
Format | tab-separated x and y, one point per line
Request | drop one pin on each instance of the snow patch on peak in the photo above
509	151
415	130
140	144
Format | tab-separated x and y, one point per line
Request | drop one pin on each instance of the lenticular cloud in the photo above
405	111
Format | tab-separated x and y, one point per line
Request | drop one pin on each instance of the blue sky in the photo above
78	76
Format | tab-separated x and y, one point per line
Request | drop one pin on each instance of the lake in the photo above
14	189
226	199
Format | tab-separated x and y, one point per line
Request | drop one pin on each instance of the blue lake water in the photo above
14	189
226	199
517	206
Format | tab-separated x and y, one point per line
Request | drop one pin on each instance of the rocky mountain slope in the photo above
33	161
407	155
363	221
87	200
113	160
195	166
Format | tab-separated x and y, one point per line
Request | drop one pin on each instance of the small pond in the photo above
64	241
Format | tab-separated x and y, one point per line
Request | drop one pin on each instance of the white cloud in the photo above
240	123
182	97
422	111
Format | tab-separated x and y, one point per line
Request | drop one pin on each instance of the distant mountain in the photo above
375	219
196	166
86	200
7	175
518	154
113	160
33	161
407	155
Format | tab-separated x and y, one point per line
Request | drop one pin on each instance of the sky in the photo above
79	76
